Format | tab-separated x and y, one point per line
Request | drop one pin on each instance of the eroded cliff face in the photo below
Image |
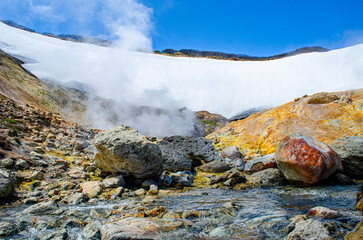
323	116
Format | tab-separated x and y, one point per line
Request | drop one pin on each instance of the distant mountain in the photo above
237	57
68	37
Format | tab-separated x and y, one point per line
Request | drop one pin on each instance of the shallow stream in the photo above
259	213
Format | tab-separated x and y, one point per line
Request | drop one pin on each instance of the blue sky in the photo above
258	27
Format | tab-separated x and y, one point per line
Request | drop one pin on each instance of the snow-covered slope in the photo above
224	87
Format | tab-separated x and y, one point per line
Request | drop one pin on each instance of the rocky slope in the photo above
323	116
18	84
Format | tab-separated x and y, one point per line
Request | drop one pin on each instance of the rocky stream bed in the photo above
59	180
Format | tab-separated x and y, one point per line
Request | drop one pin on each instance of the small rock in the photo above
77	173
323	212
92	189
215	166
119	191
92	230
147	183
45	208
342	179
184	178
359	203
309	229
75	198
238	163
356	233
165	179
140	192
114	182
7	163
22	164
231	153
38	175
267	177
58	235
154	190
6	183
259	164
7	229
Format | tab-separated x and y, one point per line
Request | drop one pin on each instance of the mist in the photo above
156	94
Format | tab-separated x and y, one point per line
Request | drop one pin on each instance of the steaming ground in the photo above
145	79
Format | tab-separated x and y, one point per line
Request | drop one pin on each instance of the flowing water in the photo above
259	213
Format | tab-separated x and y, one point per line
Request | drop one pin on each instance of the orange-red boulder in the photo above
305	160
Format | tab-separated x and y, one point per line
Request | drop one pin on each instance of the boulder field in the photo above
322	116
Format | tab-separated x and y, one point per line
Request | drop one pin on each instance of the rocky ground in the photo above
59	180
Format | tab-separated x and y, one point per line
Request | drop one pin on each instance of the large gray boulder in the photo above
174	160
198	150
350	151
6	184
124	150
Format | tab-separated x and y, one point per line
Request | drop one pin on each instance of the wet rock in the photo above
323	212
92	189
130	228
184	178
231	153
342	179
359	203
45	208
309	229
7	229
7	163
58	235
75	198
289	228
114	182
215	166
124	150
267	177
306	161
6	183
24	222
197	149
92	231
21	164
356	233
350	150
259	164
174	160
165	179
43	225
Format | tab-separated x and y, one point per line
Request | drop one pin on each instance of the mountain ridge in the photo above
172	52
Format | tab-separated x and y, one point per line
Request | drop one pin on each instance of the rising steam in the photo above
158	82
